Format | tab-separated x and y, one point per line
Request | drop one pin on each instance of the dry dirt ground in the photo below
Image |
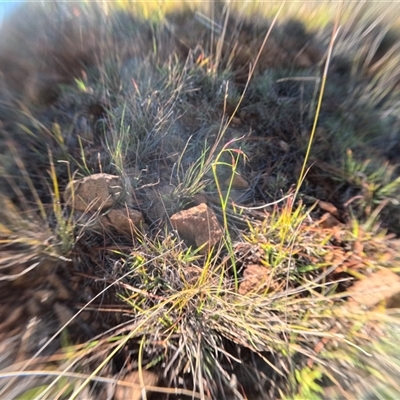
163	234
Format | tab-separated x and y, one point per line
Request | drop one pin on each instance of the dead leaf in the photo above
328	221
329	207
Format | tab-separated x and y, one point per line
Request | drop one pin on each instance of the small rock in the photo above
381	285
284	146
135	392
199	198
303	61
236	121
238	182
124	220
94	192
234	195
254	277
198	226
191	274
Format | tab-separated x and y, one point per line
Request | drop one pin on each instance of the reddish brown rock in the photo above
198	226
94	192
383	285
134	392
124	220
254	277
238	182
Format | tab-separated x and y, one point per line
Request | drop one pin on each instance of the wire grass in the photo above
181	121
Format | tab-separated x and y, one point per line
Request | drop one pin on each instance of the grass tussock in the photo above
286	128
